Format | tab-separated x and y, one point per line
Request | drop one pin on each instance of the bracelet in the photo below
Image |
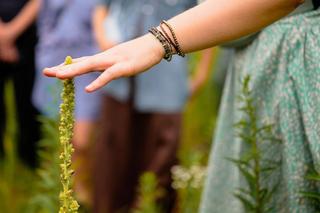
176	46
164	41
168	38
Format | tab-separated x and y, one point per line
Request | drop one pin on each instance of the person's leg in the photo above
87	107
23	80
158	138
84	134
27	123
113	190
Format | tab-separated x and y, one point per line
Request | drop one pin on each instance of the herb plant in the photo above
253	166
67	202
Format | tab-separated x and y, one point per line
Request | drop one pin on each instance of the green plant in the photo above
9	161
45	199
67	201
314	196
189	183
14	191
252	165
149	193
199	118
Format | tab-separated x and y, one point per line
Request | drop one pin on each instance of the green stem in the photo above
68	203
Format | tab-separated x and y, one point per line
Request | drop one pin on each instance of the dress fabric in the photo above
284	65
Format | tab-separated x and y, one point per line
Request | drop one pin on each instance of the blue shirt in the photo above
164	88
65	23
64	28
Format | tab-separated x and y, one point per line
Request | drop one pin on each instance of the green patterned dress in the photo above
284	65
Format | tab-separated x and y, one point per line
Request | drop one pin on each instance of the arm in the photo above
13	29
8	53
217	21
202	71
99	15
226	20
10	31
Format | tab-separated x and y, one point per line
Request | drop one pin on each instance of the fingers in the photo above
78	67
112	73
77	60
68	71
51	72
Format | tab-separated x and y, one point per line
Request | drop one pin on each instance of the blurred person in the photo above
64	28
141	117
283	63
17	42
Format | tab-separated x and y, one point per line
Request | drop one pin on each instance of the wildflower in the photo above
67	202
184	177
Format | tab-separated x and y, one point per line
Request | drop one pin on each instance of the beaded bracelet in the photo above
164	41
168	38
176	46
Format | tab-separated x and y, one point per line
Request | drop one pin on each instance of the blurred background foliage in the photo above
25	191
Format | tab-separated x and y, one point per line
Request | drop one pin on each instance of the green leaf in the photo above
250	178
238	162
248	205
315	177
313	195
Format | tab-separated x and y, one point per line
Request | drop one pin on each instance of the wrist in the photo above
156	46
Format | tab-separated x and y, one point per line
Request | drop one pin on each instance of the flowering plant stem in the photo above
67	203
253	165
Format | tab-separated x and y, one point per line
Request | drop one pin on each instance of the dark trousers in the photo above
22	76
129	144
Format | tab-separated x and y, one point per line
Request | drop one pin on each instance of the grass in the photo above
14	192
199	120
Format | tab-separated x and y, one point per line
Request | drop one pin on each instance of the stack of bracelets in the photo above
170	46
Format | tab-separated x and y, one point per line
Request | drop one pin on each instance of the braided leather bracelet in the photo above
167	43
164	41
176	46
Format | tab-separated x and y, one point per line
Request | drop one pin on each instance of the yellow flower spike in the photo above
67	202
68	60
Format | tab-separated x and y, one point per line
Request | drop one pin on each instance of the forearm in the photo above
206	61
99	15
25	18
211	23
215	22
202	70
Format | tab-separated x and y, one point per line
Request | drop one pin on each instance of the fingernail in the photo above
47	71
89	88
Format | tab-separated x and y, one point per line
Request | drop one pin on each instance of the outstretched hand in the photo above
205	31
123	60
